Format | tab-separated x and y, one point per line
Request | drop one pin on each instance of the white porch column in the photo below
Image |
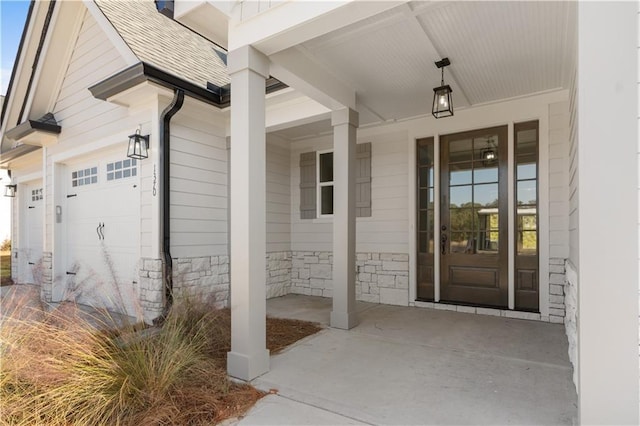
345	123
607	197
249	357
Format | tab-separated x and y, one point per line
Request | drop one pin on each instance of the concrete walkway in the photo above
417	366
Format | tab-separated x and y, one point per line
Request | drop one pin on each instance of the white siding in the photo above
278	196
573	174
559	180
83	118
199	200
386	230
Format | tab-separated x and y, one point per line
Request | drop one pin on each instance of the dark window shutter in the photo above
308	185
363	180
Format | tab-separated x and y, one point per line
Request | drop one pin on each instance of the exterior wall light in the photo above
10	190
442	102
138	146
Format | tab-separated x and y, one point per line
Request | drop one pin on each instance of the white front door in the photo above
31	256
103	205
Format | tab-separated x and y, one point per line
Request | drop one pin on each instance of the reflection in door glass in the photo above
474	194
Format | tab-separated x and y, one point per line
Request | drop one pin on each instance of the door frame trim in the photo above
533	109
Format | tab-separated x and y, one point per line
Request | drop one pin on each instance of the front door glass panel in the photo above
473	216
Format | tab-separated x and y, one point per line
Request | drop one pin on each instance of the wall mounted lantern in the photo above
442	102
10	190
138	146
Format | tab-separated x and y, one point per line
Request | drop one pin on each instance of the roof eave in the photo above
15	153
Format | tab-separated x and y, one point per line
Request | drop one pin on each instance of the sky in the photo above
13	14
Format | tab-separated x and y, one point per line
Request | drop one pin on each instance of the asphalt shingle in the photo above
160	41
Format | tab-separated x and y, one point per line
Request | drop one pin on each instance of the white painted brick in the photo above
316	292
364	277
371	298
393	296
556	299
327	292
311	259
316	283
401	257
402	281
386	256
556	312
557	279
395	266
386	280
556	289
320	271
556	320
304	274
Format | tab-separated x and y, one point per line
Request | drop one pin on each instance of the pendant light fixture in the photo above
442	102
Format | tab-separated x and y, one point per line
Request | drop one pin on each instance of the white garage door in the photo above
103	206
31	256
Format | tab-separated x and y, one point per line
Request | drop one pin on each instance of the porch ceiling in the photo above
498	50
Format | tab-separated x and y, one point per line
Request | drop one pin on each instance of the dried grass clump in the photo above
68	366
58	369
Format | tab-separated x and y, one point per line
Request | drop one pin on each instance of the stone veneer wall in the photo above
46	278
557	283
380	277
206	277
151	289
571	317
278	273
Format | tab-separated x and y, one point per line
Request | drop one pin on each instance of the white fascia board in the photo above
293	68
291	23
113	36
28	40
296	112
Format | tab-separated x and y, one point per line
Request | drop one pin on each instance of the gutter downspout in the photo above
165	157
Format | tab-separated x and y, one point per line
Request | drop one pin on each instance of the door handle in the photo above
443	240
99	231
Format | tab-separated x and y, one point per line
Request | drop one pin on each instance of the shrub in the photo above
5	245
59	369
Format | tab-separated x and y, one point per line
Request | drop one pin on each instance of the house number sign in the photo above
154	180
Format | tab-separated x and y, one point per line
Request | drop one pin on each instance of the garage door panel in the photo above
33	232
103	235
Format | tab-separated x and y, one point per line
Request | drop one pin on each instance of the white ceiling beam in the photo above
293	68
292	23
416	27
295	112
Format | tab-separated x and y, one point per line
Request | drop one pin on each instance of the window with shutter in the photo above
308	185
316	182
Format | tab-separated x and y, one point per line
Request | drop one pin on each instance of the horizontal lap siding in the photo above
199	199
386	230
278	195
83	118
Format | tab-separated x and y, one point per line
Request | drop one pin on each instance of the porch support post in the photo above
606	245
249	357
345	123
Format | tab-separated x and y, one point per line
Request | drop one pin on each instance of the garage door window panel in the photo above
83	177
122	169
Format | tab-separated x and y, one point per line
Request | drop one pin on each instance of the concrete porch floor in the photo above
417	366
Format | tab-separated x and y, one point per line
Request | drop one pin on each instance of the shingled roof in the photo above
166	44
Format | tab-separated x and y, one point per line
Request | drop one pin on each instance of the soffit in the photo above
498	50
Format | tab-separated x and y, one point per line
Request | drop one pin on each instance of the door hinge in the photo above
70	273
31	263
71	195
32	207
